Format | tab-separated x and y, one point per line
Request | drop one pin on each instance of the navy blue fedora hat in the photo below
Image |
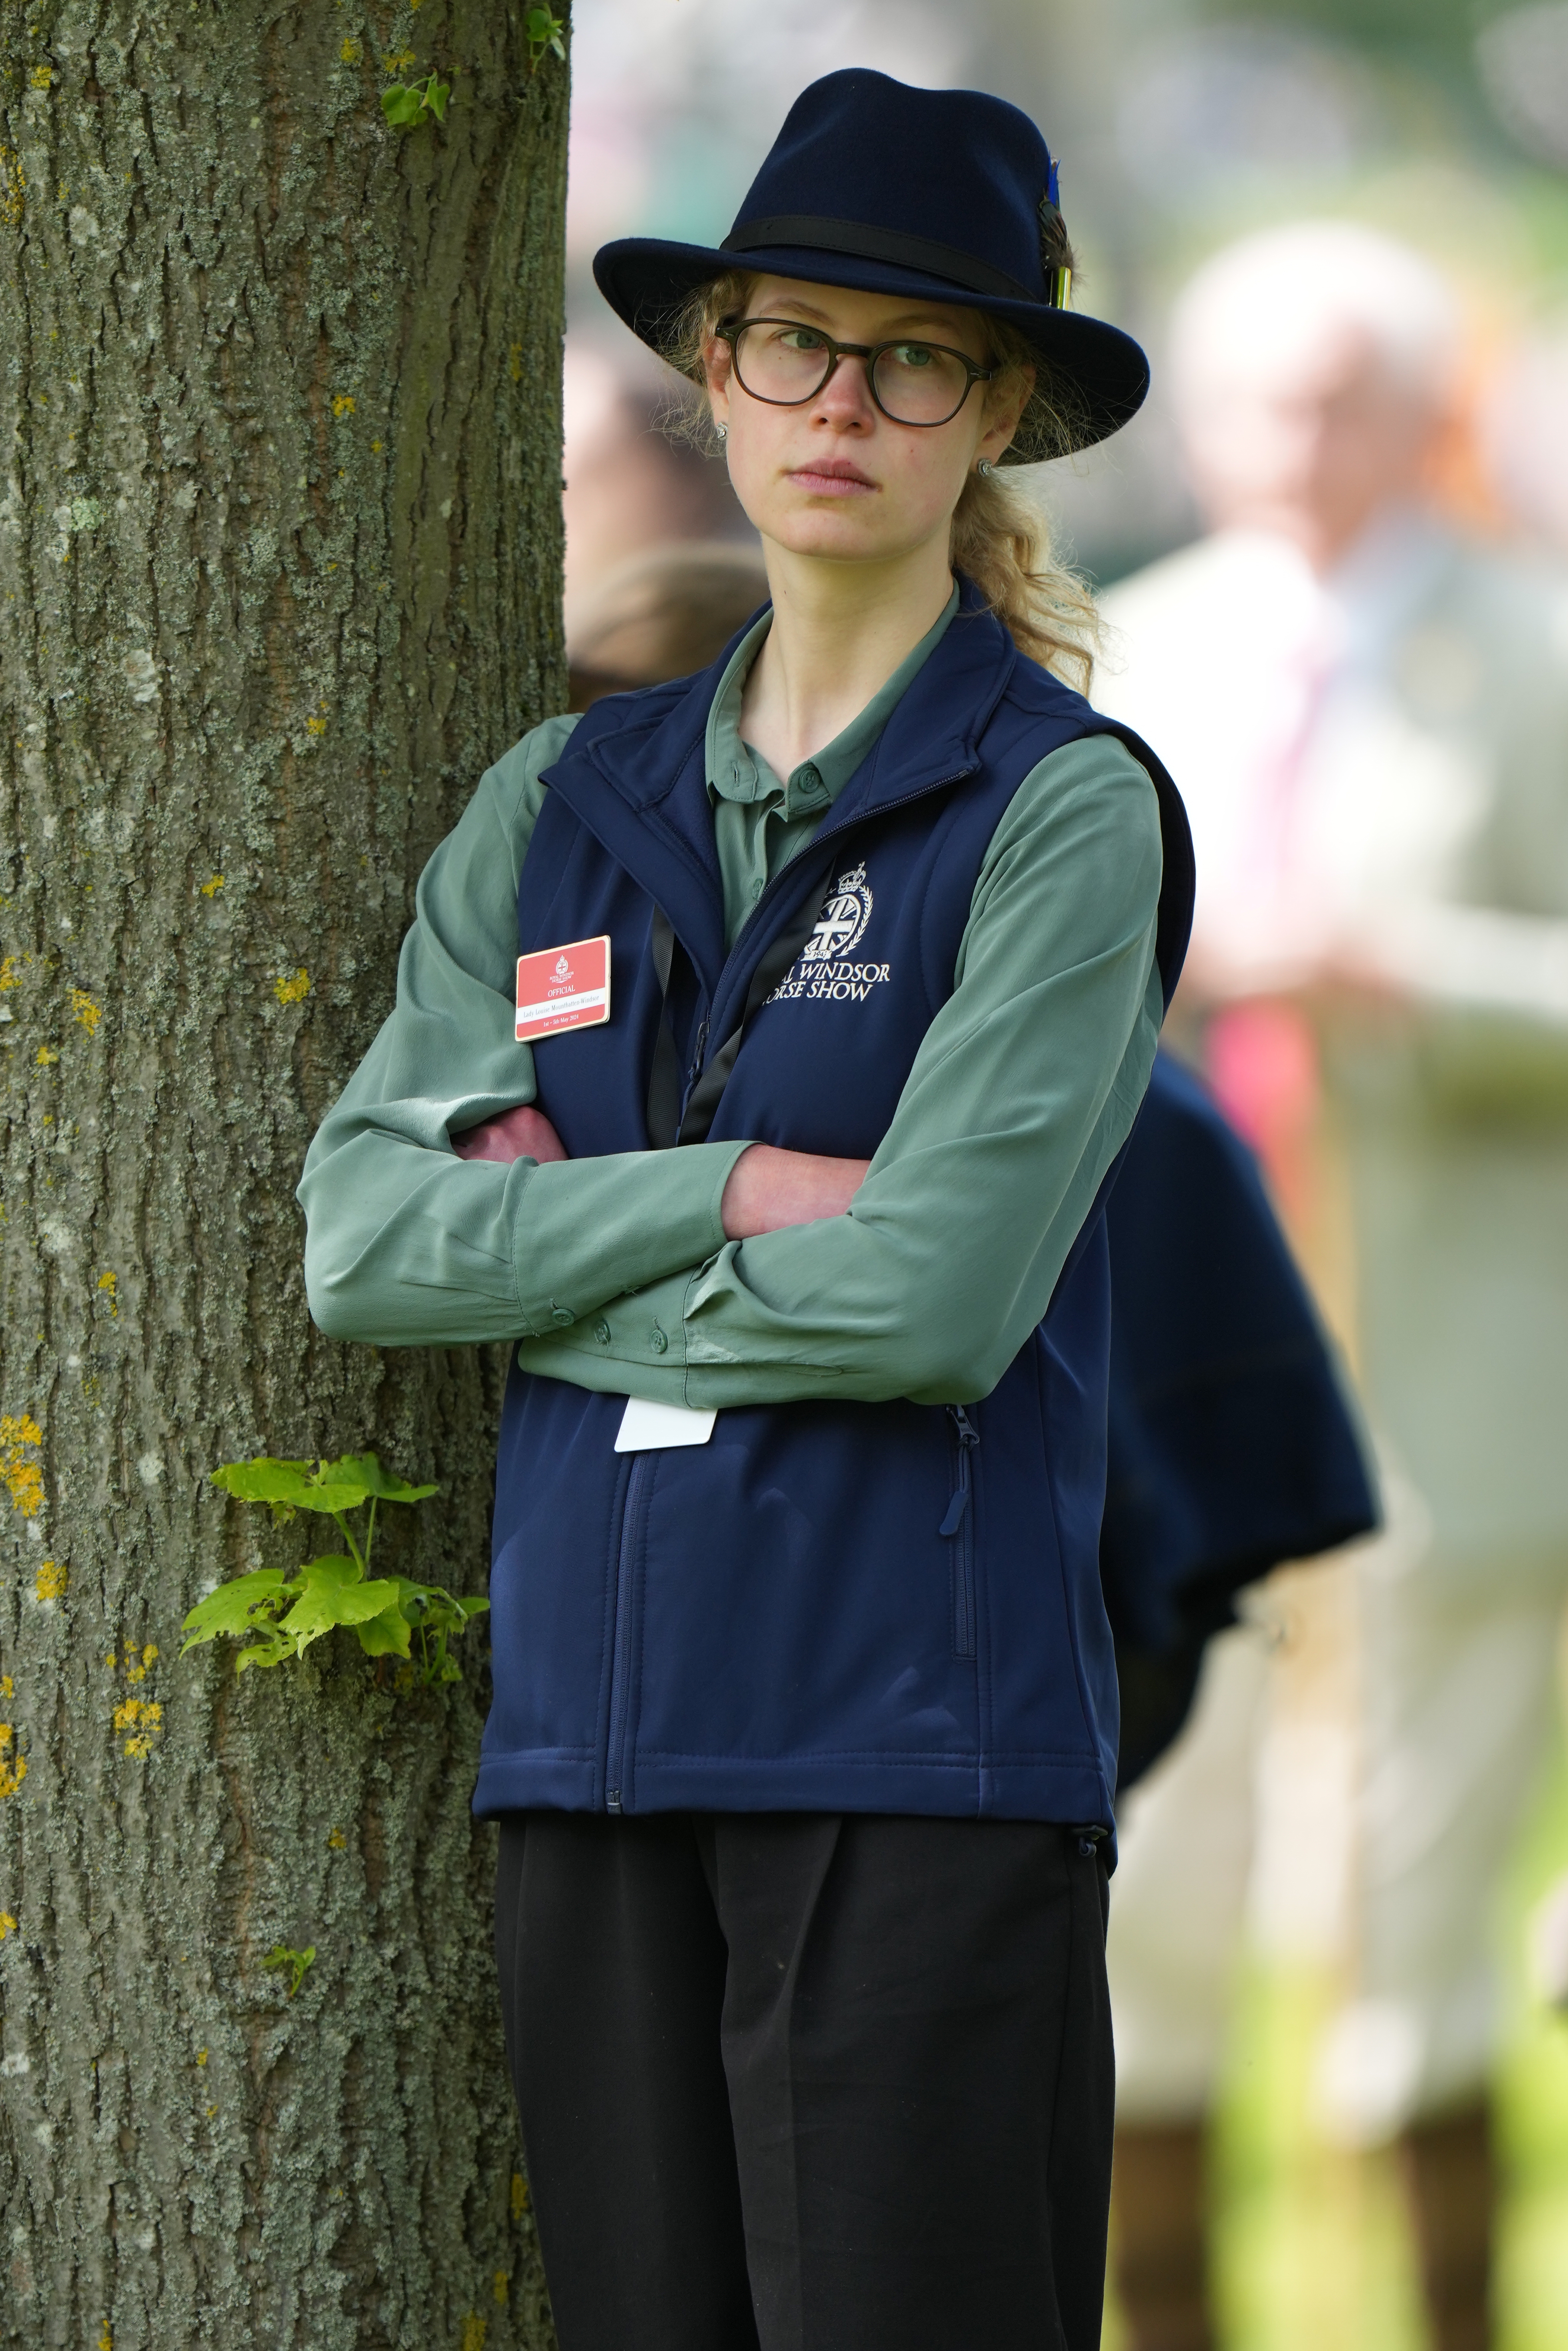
949	196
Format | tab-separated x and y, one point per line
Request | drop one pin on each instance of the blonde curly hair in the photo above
1000	540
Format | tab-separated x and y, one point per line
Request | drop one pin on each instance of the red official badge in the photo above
563	988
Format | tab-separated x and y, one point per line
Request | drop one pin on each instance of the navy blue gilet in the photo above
839	1606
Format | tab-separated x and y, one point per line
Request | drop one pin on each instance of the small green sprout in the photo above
279	1615
298	1962
405	105
544	36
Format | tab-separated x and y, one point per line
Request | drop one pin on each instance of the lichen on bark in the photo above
279	575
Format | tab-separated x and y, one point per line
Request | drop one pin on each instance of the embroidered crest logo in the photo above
822	973
841	924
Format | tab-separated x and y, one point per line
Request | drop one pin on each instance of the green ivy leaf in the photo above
243	1605
384	1484
543	32
273	1651
335	1593
298	1963
294	1485
386	1635
437	94
401	106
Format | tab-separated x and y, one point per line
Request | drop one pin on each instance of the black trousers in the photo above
807	2082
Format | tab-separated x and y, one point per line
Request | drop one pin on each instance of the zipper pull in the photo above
696	1070
968	1437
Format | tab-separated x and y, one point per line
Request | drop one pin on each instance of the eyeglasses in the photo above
786	364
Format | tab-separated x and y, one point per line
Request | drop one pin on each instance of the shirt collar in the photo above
736	772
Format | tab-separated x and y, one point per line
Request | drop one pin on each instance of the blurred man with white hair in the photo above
1368	715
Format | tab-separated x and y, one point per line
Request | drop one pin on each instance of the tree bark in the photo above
280	575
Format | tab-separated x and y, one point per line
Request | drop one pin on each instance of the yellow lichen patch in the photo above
110	1285
9	974
142	1719
5	1690
46	1054
7	1925
13	187
106	2340
351	51
51	1580
499	2284
24	1480
13	1767
41	76
138	1668
375	448
398	63
84	1010
316	726
516	363
292	987
475	2330
209	889
201	2056
519	2195
342	403
337	1840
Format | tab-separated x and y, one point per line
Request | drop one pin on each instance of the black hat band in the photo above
811	231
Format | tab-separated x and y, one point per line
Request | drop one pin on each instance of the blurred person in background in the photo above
1368	715
662	614
631	489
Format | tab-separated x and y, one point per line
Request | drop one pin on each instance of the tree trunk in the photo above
280	521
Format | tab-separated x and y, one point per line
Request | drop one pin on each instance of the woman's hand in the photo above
768	1188
521	1134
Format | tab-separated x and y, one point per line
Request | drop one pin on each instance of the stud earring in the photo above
723	432
985	469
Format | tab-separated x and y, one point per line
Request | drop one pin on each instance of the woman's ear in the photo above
717	361
1005	405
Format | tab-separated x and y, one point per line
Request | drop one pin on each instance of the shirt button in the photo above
563	1315
601	1331
657	1340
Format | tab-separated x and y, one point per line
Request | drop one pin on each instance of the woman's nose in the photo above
845	397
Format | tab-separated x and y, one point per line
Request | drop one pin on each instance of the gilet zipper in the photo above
958	1526
615	1745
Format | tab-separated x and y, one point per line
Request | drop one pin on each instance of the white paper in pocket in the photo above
652	1427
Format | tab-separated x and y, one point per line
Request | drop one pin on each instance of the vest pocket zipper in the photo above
621	1661
958	1527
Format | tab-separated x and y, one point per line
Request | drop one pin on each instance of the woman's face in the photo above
834	478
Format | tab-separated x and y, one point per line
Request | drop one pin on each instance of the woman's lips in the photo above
829	481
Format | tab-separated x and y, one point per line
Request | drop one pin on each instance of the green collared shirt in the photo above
759	823
614	1272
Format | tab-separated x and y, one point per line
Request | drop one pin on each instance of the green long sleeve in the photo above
407	1244
1023	1090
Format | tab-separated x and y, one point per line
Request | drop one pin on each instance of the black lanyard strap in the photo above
666	1125
665	1077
